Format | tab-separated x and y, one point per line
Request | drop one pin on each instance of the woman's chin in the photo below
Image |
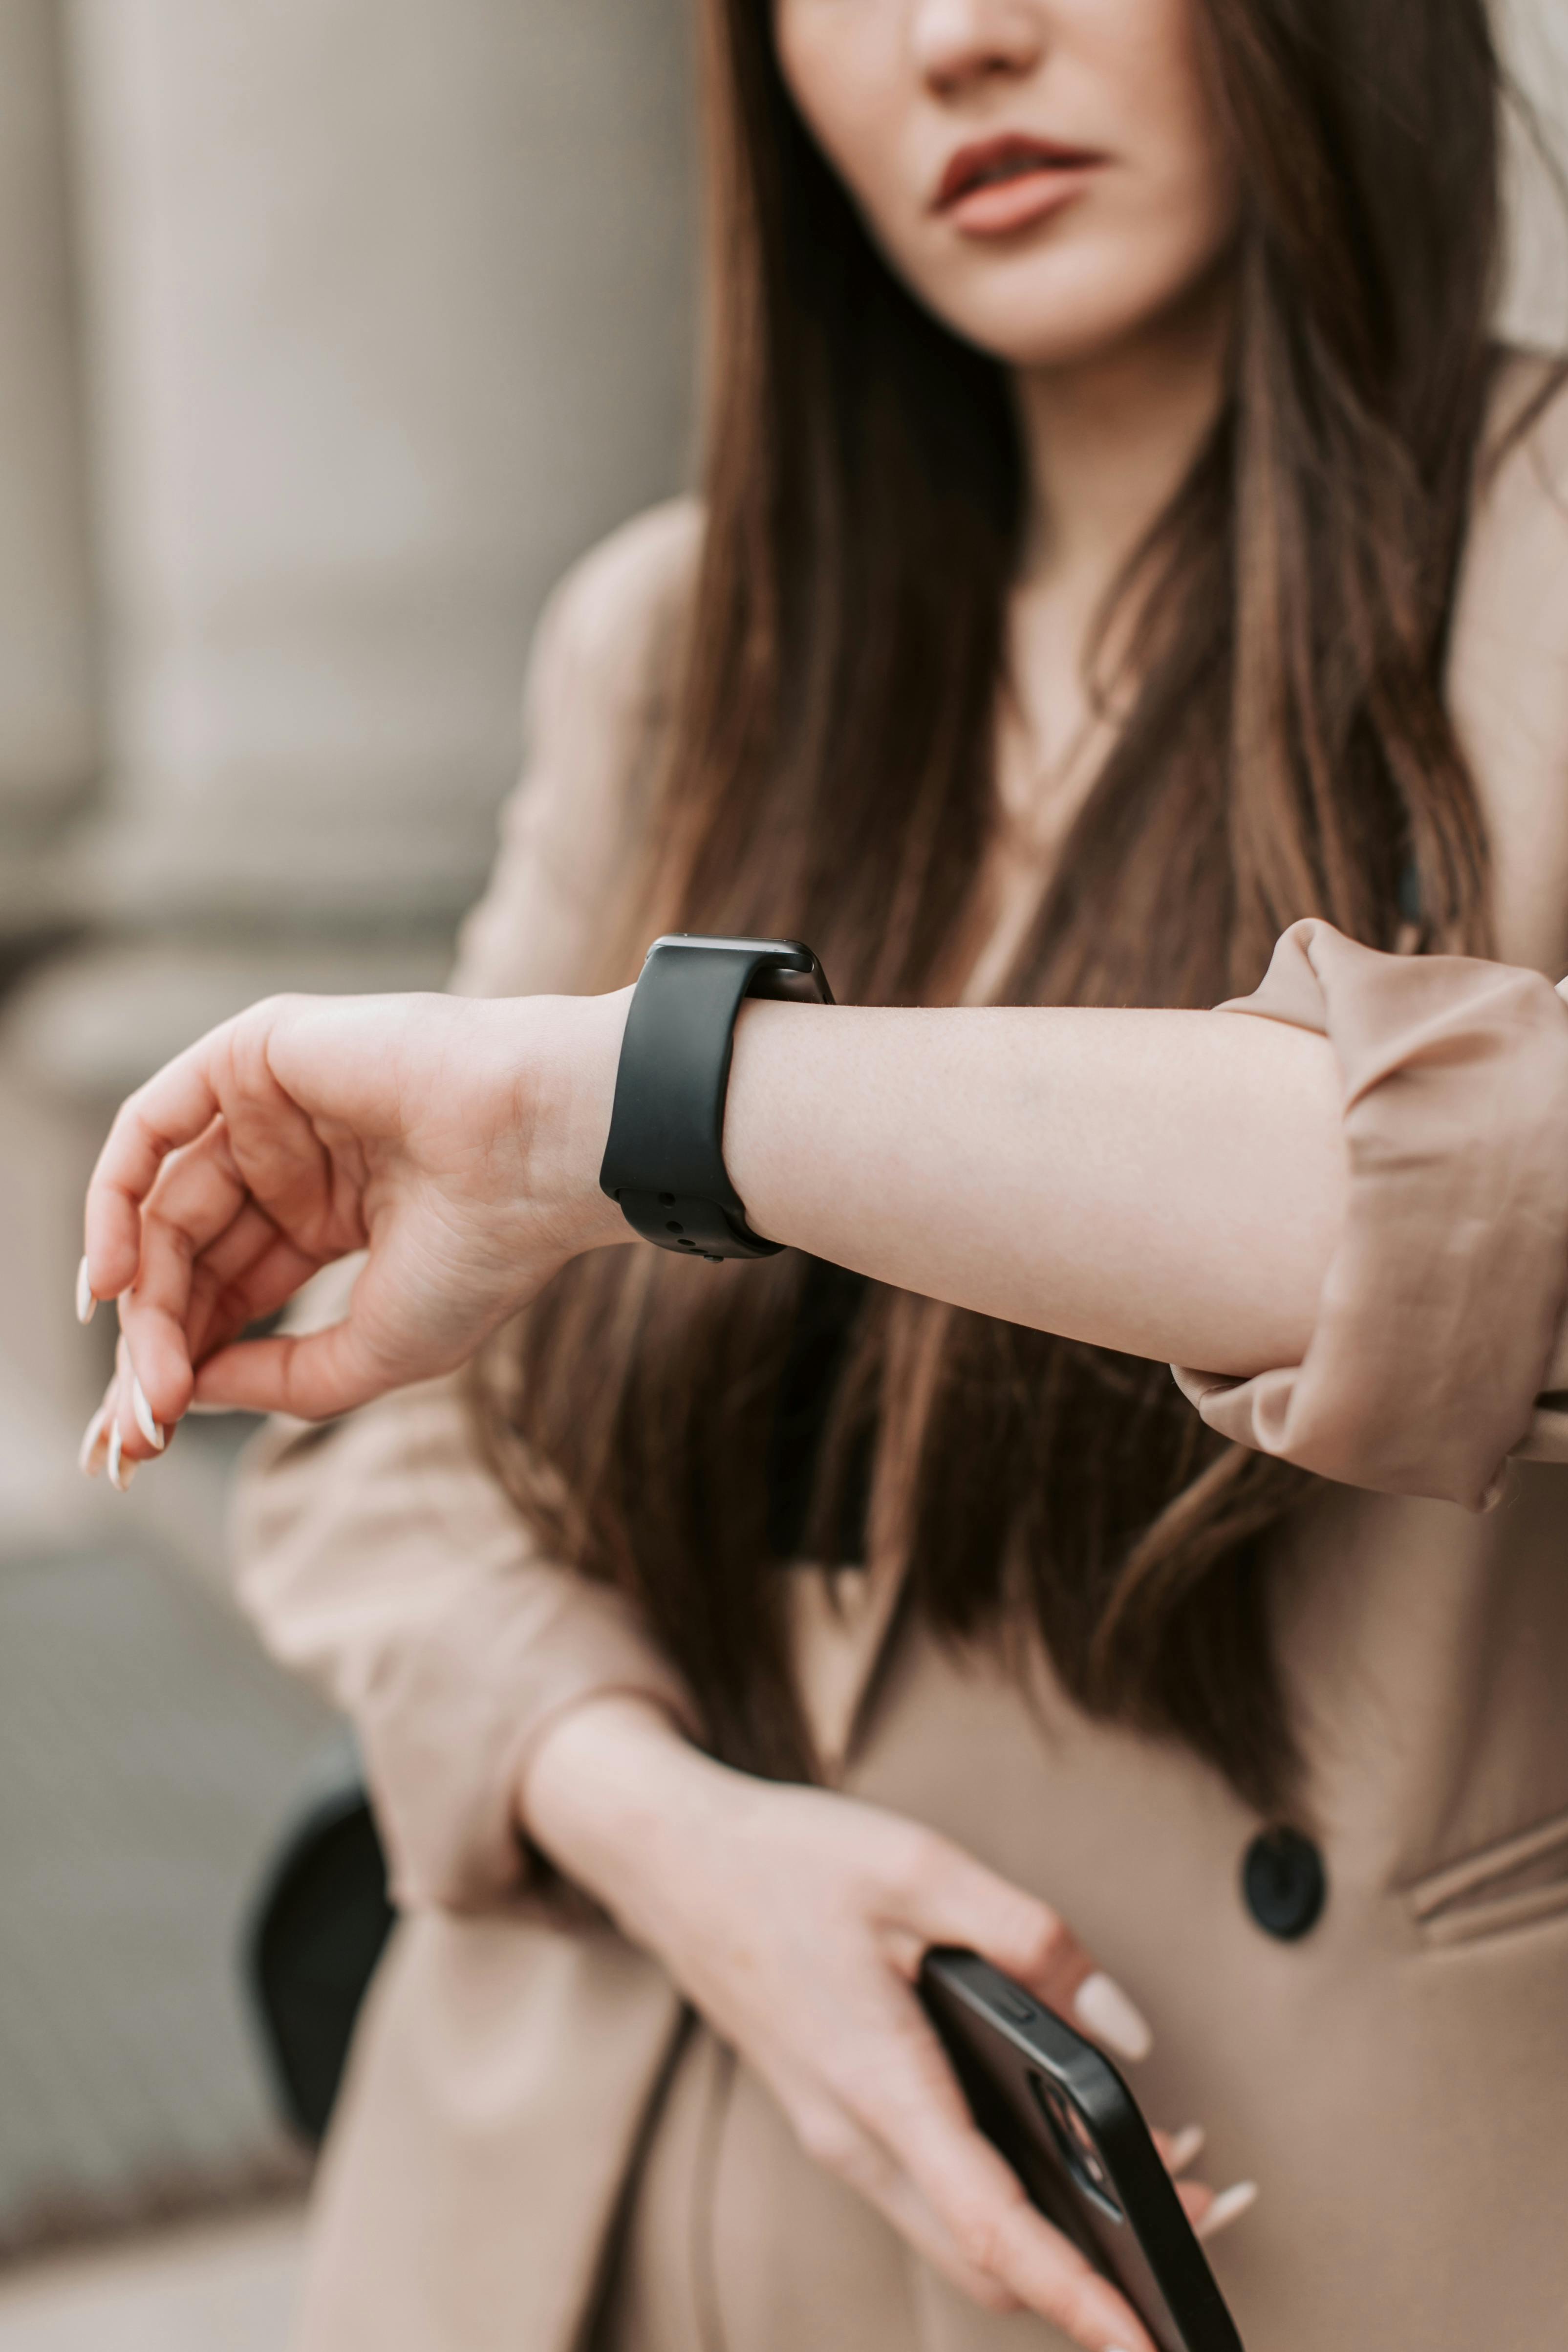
1044	340
1035	322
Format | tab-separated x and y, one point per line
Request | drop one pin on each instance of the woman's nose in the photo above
960	42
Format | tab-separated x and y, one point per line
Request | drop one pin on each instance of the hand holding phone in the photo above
1058	2110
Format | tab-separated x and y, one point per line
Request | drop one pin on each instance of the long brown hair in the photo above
830	775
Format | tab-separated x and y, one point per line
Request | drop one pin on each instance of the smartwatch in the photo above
664	1159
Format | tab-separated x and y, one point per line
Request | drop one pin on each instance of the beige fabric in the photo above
1455	1080
451	1658
1395	2087
1396	2083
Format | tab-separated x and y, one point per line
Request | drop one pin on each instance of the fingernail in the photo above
87	1305
1103	2009
1227	2207
1186	2146
144	1411
120	1474
92	1443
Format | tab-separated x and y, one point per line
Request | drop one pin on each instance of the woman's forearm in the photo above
1166	1184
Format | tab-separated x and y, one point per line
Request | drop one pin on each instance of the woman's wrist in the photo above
613	1793
558	1088
774	1089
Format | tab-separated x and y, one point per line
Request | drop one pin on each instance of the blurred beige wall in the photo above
48	737
1534	37
388	313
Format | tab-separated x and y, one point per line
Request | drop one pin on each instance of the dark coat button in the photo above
1285	1883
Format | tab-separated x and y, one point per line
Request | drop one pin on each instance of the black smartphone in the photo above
1072	2132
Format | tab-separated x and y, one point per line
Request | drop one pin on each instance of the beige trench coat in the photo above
1398	2080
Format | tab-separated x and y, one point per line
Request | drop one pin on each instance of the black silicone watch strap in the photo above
664	1159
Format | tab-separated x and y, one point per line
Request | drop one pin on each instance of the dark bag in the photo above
317	1930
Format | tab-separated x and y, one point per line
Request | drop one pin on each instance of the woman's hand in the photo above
456	1140
795	1920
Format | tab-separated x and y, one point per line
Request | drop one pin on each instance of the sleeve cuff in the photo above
447	1731
1444	1297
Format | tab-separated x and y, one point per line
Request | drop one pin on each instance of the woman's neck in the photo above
1109	444
1110	441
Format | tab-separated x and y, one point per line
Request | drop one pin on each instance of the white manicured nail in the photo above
92	1444
1186	2146
1227	2207
1103	2009
87	1305
121	1473
144	1411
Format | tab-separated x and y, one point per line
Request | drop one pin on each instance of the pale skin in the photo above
1165	1183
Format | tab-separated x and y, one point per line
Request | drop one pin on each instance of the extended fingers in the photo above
846	2149
958	1901
906	2144
994	2228
910	2105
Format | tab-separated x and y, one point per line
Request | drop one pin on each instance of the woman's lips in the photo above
1002	185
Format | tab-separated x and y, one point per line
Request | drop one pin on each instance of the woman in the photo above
1120	541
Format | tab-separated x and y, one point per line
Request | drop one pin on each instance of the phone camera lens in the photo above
1074	2142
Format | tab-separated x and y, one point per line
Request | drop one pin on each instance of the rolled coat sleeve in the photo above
378	1555
1438	1322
